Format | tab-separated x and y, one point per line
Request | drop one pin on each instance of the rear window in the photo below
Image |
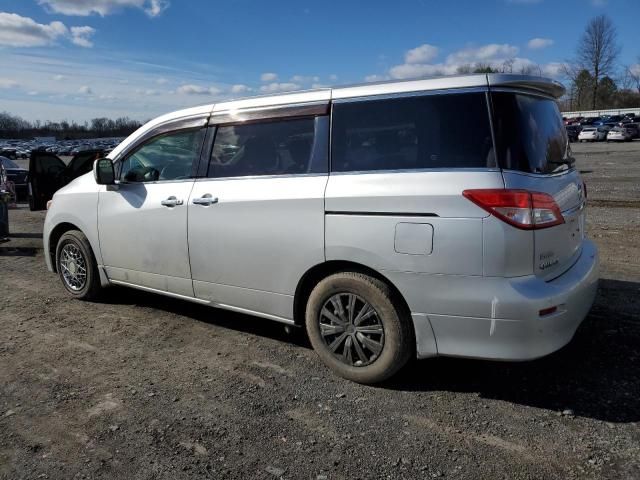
433	131
530	135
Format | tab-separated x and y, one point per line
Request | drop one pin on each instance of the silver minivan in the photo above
393	220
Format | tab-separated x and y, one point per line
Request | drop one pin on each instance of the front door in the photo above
256	224
142	221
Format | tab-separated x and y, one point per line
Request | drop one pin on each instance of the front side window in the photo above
432	131
166	157
281	147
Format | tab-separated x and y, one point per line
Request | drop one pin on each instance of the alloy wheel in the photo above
73	266
351	329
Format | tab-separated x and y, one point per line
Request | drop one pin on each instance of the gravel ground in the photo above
141	386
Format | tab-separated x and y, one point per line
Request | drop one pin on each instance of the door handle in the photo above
171	202
205	200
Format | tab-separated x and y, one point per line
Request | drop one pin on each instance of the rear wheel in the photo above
76	265
358	328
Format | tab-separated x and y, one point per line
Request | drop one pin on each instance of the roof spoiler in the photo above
543	85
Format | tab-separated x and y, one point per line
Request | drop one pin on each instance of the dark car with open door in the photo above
48	173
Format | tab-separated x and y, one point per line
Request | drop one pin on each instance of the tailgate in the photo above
556	248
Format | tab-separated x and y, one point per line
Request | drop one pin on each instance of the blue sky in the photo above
80	59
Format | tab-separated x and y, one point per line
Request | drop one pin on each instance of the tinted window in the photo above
530	135
167	157
8	163
266	148
434	131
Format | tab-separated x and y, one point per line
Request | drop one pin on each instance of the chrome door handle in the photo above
205	200
171	202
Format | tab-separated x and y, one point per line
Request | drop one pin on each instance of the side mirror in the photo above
103	172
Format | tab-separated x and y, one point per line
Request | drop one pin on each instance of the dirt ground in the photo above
141	386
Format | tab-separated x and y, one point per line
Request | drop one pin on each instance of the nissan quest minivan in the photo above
415	218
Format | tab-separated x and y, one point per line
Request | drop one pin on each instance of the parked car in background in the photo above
5	198
386	232
634	129
17	175
592	134
619	134
48	173
10	153
573	131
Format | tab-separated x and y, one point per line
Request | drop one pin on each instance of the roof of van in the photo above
542	85
545	86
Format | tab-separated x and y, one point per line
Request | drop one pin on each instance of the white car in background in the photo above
592	134
619	134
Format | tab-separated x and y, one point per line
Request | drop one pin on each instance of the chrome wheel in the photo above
73	267
351	329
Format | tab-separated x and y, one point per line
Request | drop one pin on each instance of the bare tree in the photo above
507	65
632	77
598	51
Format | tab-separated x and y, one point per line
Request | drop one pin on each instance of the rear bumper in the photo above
498	318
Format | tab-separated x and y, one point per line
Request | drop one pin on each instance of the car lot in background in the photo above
188	387
17	175
619	134
592	134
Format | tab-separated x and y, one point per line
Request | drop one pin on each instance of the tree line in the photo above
13	126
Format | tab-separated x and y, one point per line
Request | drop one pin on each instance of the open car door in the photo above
46	176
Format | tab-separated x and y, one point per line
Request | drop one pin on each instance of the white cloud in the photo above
415	70
484	53
280	87
305	79
162	81
153	8
537	43
333	77
33	93
422	54
156	7
498	56
375	78
269	77
18	31
8	83
239	88
80	36
58	78
85	90
190	89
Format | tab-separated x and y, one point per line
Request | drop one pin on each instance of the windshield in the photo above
8	163
530	134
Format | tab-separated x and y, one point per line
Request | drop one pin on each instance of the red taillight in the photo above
520	208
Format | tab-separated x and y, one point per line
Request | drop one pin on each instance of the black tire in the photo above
398	337
90	288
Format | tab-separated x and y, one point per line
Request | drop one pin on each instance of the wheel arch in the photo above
322	270
54	238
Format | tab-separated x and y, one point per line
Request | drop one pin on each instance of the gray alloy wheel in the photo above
73	267
77	266
351	329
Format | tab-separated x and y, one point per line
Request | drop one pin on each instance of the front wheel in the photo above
76	265
358	328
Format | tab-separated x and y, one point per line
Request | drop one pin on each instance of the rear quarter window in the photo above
530	134
417	132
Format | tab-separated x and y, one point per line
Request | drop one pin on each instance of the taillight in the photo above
520	208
